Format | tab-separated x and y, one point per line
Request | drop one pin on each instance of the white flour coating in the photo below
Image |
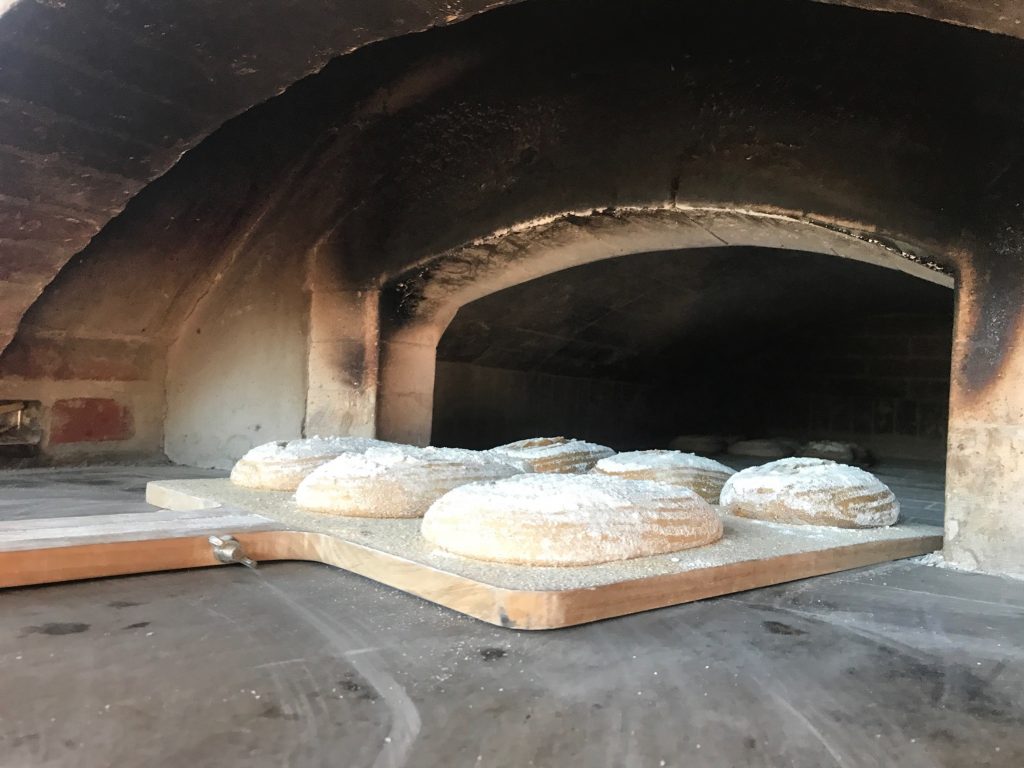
832	446
640	460
570	497
816	491
767	448
310	448
386	459
837	450
687	470
563	519
283	464
395	480
555	454
829	449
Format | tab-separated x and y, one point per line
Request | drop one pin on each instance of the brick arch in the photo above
420	303
98	100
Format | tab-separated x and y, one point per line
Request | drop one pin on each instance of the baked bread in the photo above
811	492
564	519
554	454
282	465
705	476
835	450
764	448
396	480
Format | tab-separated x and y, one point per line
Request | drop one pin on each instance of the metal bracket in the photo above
228	549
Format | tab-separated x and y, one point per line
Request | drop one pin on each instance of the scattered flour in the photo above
931	559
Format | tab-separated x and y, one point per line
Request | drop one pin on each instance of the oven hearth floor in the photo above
299	664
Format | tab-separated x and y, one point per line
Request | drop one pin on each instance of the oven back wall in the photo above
479	407
750	342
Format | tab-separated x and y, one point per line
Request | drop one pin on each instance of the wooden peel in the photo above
65	549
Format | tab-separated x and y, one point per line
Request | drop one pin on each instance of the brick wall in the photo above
479	407
881	380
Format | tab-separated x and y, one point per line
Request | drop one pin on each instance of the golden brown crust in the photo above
395	482
687	470
554	454
283	464
707	484
806	491
273	477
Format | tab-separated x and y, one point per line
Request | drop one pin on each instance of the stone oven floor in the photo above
303	665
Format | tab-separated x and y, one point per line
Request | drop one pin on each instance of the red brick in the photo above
69	359
89	420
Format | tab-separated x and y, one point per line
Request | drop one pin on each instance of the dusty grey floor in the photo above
32	493
304	665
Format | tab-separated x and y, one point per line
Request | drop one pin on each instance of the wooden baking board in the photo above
270	527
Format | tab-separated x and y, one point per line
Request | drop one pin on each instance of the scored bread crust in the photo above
806	491
569	520
688	470
555	454
763	448
283	464
395	481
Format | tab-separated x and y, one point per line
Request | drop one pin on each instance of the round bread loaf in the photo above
835	450
396	480
563	520
282	465
554	454
705	476
811	492
699	444
765	448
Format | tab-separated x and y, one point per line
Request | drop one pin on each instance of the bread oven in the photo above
735	342
651	221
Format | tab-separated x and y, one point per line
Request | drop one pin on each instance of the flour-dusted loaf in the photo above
705	476
811	492
554	454
565	519
282	465
764	448
836	450
395	480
